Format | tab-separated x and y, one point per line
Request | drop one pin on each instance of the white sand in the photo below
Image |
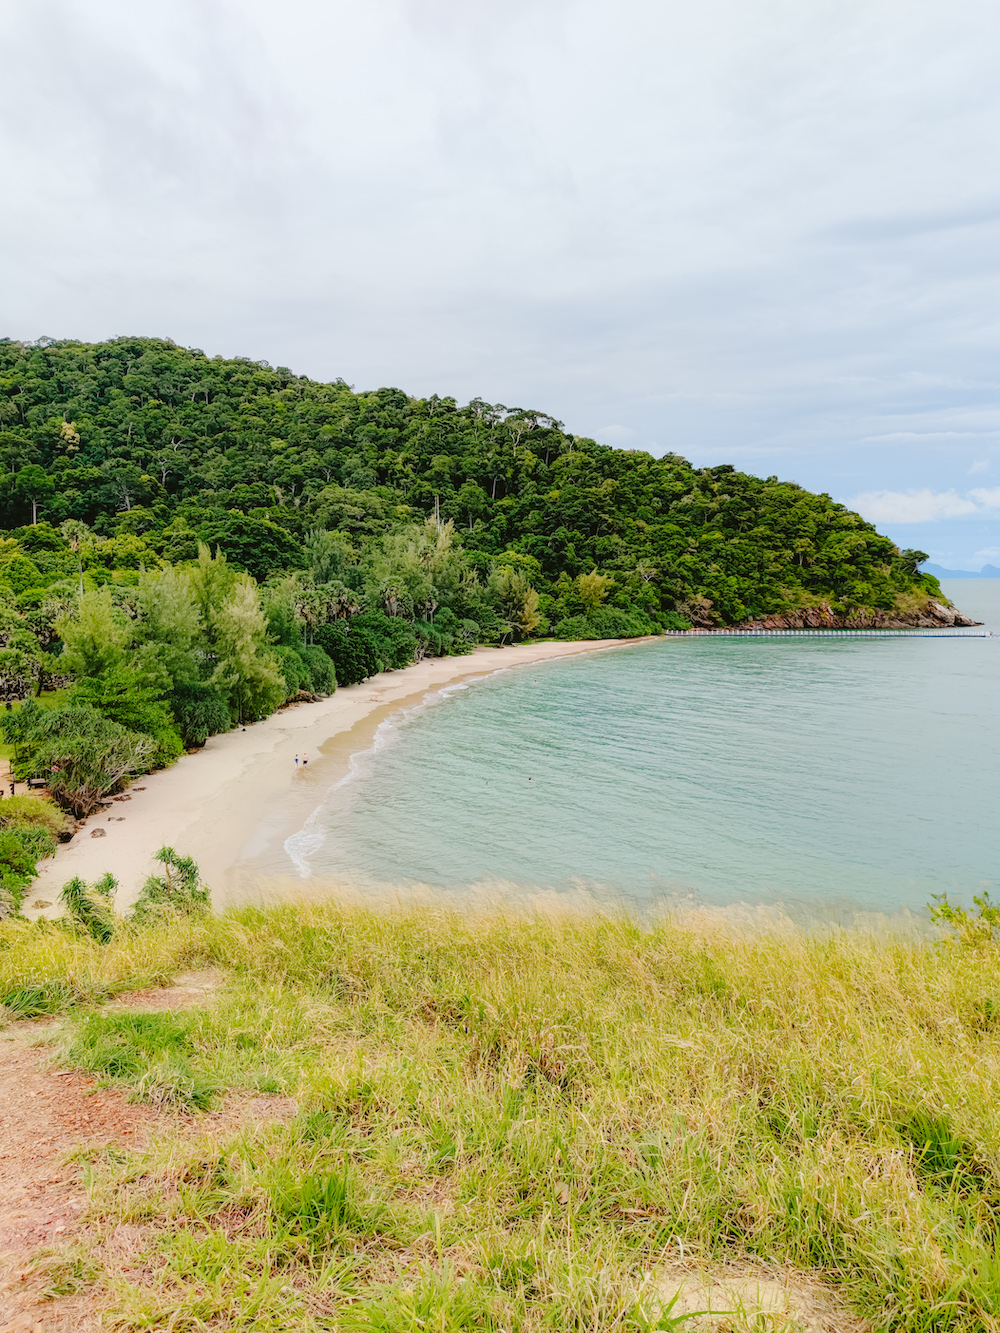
210	805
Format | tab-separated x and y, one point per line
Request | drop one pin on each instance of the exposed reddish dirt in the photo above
45	1115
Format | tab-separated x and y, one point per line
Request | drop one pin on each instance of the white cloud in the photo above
614	434
979	465
924	506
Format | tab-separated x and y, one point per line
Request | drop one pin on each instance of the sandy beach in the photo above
213	804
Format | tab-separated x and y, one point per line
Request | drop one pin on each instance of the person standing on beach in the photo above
296	761
305	760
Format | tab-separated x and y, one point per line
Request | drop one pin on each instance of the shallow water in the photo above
826	775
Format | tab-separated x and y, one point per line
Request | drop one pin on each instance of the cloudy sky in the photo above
757	231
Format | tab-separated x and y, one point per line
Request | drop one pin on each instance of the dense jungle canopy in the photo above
156	447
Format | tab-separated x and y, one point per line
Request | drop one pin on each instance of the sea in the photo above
825	776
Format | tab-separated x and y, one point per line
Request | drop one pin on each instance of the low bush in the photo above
179	889
81	754
29	830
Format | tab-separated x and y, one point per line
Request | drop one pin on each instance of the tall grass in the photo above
46	967
510	1122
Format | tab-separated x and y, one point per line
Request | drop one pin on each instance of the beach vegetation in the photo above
973	929
82	755
30	829
200	710
91	907
176	891
178	888
527	1122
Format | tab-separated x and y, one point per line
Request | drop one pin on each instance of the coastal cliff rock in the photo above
932	615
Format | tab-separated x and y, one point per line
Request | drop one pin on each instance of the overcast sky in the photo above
755	231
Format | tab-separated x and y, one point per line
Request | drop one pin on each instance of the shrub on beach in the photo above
294	669
81	754
201	711
322	675
91	906
177	891
307	669
29	829
351	650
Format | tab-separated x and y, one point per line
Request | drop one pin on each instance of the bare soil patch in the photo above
47	1115
189	988
749	1298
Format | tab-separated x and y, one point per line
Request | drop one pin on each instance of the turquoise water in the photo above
830	774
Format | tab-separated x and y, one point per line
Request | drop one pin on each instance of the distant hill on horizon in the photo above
987	572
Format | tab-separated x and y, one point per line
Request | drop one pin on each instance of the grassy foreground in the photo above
510	1123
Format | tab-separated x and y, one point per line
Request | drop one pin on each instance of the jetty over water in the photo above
831	633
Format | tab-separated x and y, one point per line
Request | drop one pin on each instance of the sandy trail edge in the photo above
209	804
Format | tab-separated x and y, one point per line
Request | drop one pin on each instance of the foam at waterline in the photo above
304	844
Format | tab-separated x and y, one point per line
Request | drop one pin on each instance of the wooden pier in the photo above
830	633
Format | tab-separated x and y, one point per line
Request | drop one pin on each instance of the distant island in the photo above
987	572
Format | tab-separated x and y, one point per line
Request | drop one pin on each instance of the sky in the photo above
763	232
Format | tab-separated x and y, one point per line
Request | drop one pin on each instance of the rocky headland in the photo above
932	615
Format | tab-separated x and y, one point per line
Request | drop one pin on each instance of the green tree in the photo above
94	636
256	545
76	535
121	695
327	554
20	666
246	670
34	486
516	601
200	710
170	630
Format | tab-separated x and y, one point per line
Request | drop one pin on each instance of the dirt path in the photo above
46	1114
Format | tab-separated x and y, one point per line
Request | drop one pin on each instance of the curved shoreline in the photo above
213	804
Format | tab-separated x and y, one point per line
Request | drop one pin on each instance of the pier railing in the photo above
943	633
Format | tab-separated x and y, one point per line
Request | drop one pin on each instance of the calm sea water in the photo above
827	775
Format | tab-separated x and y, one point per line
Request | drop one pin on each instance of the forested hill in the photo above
157	447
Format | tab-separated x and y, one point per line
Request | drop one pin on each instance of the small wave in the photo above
302	845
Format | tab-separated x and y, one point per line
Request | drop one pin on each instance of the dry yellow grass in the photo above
514	1122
